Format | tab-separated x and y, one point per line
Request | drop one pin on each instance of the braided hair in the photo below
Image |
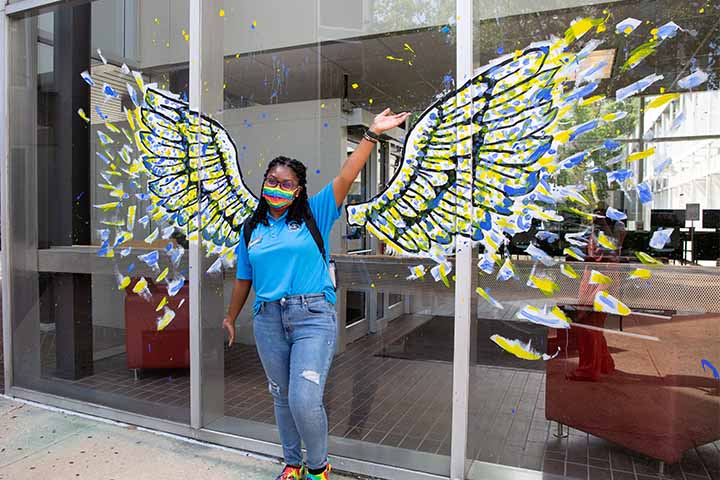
299	209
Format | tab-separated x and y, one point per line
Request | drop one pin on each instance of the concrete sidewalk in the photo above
37	443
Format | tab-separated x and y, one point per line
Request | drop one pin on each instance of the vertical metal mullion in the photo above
195	257
463	269
5	197
206	306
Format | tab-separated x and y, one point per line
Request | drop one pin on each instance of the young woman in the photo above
294	312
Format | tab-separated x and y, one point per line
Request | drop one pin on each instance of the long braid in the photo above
299	210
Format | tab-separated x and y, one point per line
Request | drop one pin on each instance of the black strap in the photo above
312	226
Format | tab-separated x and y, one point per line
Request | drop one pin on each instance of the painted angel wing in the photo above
504	110
192	163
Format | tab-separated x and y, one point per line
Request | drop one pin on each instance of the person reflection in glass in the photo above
594	355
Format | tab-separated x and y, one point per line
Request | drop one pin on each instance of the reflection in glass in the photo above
621	292
86	331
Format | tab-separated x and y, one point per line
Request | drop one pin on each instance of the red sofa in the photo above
147	347
652	397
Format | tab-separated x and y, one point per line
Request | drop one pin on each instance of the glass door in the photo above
595	337
98	272
388	393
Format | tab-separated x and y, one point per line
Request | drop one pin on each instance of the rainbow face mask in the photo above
277	197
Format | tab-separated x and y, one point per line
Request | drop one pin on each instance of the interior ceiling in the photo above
317	71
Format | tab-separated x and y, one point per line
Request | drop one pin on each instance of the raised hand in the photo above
386	120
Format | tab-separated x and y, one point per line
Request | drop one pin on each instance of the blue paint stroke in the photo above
693	80
706	364
668	30
637	87
644	192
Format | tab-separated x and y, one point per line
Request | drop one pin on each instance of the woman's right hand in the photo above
229	325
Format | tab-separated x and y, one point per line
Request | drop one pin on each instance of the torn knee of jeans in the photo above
312	376
274	388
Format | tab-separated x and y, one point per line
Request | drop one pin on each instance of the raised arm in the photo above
385	120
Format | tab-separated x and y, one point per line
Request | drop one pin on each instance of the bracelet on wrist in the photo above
369	139
371	136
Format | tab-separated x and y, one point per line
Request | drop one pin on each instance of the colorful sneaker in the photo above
320	476
292	473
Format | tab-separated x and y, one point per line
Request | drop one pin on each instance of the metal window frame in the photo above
463	281
4	195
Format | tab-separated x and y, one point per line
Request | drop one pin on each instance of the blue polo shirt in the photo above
283	260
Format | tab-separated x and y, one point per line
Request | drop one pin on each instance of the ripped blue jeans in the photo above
295	337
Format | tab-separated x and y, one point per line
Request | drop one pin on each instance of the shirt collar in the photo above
271	219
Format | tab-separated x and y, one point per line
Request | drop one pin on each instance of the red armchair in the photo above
652	396
147	347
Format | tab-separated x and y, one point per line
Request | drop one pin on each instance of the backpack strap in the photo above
317	236
247	233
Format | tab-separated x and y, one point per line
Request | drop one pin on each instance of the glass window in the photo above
100	293
600	362
308	90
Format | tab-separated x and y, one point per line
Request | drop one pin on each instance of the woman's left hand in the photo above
386	120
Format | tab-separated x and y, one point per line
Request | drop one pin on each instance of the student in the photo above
294	313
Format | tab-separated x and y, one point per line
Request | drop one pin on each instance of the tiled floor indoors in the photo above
406	403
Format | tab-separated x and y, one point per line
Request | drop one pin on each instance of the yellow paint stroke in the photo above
647	259
355	86
594	190
563	137
571	253
131	121
544	284
165	320
640	155
112	127
221	12
396	59
83	115
484	294
580	27
598	278
519	349
662	100
140	84
641	273
639	54
132	209
591	100
113	223
443	275
607	242
153	236
140	286
589	216
162	275
124	282
568	271
106	207
409	48
162	303
612	116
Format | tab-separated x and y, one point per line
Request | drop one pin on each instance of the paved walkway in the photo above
44	444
